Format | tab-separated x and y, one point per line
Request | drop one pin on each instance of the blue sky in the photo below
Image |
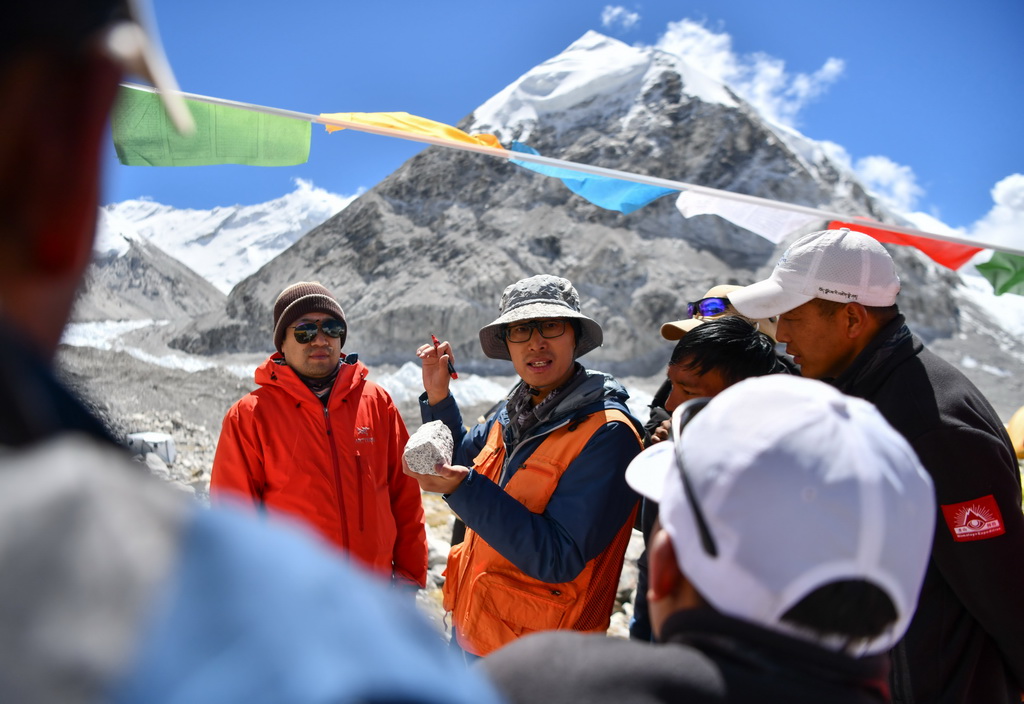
924	97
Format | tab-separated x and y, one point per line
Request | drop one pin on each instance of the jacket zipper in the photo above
359	485
337	478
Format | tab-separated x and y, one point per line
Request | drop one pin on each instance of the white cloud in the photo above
617	16
1004	224
837	154
758	78
894	183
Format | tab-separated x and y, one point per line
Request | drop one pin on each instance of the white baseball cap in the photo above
795	486
835	265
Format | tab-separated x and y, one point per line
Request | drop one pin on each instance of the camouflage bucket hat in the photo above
541	296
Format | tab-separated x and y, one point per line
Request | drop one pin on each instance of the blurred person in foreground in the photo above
541	484
835	294
709	358
793	538
321	442
115	586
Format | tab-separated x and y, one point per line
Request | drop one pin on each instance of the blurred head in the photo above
60	63
785	503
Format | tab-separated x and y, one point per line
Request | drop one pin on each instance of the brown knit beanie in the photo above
301	299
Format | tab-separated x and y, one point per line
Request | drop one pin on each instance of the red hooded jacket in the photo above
337	467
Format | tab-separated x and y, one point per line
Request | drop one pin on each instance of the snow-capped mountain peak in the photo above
593	66
223	245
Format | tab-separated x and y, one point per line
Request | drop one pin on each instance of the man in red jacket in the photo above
321	442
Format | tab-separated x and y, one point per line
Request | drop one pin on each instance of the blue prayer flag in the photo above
602	191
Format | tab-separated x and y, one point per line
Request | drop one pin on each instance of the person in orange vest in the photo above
541	484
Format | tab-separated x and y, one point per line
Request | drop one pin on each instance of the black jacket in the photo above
706	657
966	642
34	405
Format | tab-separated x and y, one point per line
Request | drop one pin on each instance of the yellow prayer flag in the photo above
404	122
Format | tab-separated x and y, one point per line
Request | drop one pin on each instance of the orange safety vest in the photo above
492	602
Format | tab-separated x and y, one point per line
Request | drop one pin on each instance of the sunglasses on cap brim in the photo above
306	332
707	307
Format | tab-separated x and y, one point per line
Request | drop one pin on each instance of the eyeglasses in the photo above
522	332
683	415
707	307
307	332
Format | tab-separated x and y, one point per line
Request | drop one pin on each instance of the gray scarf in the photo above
523	415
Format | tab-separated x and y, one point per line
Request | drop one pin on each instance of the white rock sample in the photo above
428	446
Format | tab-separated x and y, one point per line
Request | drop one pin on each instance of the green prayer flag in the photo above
144	136
1005	272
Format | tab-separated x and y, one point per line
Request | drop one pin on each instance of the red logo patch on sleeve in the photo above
974	520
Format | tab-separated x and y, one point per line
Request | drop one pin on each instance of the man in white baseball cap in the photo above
835	294
795	531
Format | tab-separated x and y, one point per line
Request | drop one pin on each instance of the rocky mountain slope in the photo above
138	280
431	247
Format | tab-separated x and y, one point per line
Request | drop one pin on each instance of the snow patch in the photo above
969	362
104	334
1006	310
406	385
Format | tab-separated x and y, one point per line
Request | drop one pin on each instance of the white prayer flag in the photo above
774	224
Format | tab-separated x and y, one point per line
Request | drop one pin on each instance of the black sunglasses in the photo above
307	332
683	415
522	332
707	307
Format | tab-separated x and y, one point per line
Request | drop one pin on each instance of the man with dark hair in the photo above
720	353
715	305
835	294
115	587
793	540
347	482
708	358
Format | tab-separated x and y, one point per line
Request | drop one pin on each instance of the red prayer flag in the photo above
948	254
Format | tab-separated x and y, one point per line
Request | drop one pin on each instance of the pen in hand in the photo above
451	367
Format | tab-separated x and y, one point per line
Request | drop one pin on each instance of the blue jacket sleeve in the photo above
258	613
587	509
